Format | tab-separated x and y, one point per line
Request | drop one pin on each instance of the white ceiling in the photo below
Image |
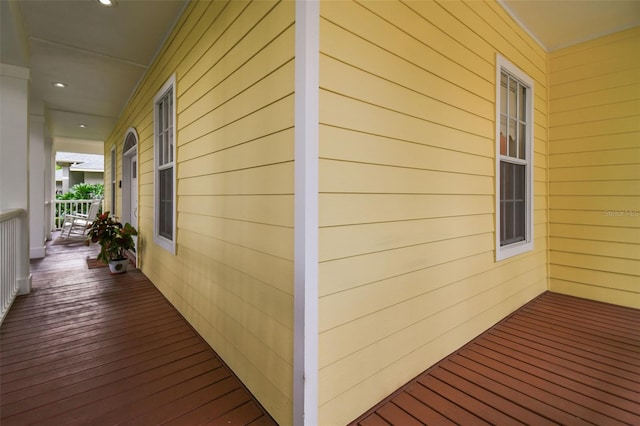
561	23
99	52
102	53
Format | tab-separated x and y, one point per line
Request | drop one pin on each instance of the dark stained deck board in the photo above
419	410
510	409
618	351
557	360
175	408
88	347
612	394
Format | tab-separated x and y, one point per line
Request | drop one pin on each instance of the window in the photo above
113	180
514	160
165	177
130	140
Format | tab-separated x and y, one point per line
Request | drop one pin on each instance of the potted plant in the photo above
114	239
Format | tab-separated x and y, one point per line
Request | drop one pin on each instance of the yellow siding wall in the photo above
232	275
594	169
407	159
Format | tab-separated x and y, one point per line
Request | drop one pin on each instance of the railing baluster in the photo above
63	207
14	258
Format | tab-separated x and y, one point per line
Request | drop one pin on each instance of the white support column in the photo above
14	156
37	178
305	355
49	183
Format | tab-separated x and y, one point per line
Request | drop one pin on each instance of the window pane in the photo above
170	144
512	203
113	180
522	135
503	93
518	183
503	136
170	127
503	222
508	221
129	142
165	147
169	98
513	87
523	103
504	218
519	229
160	150
512	139
165	203
165	113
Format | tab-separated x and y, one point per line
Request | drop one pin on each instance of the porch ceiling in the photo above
101	53
561	23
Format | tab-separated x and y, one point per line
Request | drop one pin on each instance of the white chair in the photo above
77	225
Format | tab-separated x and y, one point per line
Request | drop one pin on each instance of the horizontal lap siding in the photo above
232	275
407	158
594	169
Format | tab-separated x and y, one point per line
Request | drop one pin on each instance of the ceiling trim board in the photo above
87	51
88	114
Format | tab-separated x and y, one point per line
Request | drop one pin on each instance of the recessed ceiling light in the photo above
82	126
59	84
107	3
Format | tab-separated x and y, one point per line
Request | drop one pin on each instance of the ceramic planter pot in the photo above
118	266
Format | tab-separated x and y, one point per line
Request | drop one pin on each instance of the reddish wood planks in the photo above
558	360
87	347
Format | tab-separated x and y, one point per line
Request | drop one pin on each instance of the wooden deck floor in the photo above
87	347
558	360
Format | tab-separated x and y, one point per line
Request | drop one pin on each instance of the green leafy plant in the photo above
83	191
114	237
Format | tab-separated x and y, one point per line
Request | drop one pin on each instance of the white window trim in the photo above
167	244
527	245
126	171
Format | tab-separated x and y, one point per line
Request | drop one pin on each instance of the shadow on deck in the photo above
87	347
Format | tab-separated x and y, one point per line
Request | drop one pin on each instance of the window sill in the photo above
512	250
166	244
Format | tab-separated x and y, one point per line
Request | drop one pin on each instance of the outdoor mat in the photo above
95	263
68	241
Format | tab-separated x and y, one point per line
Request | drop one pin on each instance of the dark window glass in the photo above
512	203
165	203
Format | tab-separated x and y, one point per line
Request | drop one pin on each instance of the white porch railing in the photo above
14	258
63	207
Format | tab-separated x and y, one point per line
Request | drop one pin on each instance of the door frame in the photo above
132	153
